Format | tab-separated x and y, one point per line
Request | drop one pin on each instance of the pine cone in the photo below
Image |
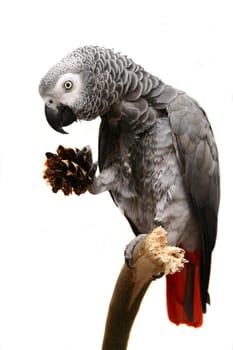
70	170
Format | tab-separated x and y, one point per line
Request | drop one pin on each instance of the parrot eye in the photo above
68	85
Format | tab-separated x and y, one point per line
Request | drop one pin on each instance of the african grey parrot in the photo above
157	157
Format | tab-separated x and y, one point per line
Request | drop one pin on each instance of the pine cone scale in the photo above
69	170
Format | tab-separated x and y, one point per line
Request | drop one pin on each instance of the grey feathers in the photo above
107	77
157	153
196	147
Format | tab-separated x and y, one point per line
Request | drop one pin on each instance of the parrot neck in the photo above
114	78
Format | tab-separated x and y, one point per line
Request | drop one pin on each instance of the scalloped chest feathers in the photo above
149	188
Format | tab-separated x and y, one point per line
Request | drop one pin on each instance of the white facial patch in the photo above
66	91
68	96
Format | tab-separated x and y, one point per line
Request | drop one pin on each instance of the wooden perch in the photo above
151	257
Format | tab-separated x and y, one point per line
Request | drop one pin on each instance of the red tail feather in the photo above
183	293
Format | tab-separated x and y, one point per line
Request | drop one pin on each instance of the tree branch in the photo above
150	257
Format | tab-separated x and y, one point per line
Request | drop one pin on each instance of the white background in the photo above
60	256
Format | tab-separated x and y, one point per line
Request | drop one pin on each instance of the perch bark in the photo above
151	256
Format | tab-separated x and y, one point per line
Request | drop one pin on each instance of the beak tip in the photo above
59	118
62	131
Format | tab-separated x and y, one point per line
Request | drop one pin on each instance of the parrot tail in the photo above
183	293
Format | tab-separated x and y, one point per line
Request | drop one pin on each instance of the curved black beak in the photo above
57	118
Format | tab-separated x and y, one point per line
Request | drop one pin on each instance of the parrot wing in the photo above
197	153
187	291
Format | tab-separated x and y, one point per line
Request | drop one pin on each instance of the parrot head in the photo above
66	89
79	87
62	99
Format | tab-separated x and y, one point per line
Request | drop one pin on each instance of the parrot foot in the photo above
92	170
129	249
129	252
103	182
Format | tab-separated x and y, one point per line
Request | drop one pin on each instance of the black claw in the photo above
129	263
129	249
128	253
155	277
81	152
92	170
